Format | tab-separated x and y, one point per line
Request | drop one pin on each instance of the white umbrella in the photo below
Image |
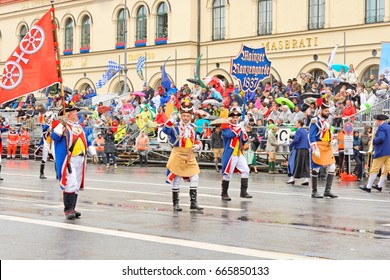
212	102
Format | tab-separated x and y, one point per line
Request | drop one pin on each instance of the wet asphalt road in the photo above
127	214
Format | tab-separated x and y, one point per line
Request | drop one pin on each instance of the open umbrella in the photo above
310	94
103	109
213	80
218	121
340	85
288	102
202	113
139	93
212	102
338	67
330	81
68	90
192	80
85	112
305	75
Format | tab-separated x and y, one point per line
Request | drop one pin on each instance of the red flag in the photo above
32	66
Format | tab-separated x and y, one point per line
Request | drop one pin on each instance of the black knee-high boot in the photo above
244	187
0	173
193	199
175	200
224	193
78	214
42	171
328	186
314	183
69	204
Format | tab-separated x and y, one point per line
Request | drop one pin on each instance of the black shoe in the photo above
305	184
316	195
71	216
365	189
290	182
247	195
78	214
226	198
379	189
330	195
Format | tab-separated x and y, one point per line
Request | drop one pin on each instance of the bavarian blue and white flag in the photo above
384	66
140	67
112	69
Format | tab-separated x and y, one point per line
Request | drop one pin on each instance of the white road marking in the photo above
187	205
125	191
21	190
164	240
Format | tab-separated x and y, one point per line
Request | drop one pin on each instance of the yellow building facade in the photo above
298	36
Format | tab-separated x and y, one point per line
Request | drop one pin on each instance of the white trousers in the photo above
194	181
239	163
74	179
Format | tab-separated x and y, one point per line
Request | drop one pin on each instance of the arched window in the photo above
120	87
219	18
265	17
316	14
68	34
23	32
372	70
120	26
141	24
162	21
317	73
85	32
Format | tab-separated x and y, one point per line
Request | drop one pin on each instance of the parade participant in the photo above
234	137
45	145
71	148
216	144
381	154
24	142
320	138
12	142
182	163
301	166
271	147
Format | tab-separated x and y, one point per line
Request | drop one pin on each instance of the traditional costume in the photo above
234	137
381	154
320	138
299	160
46	143
182	163
71	147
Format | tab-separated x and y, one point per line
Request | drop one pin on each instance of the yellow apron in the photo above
182	162
326	154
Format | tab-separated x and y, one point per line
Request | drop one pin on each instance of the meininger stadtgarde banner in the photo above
250	67
384	67
32	65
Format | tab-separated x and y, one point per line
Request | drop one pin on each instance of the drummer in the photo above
182	163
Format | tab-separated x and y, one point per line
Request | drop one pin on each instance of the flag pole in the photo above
58	60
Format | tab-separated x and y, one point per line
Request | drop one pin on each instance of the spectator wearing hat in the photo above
182	162
71	148
99	146
381	156
234	137
382	79
295	86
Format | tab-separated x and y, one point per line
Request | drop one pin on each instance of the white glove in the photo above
173	117
315	150
196	148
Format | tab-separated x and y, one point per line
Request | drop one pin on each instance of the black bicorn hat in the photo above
381	117
70	108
